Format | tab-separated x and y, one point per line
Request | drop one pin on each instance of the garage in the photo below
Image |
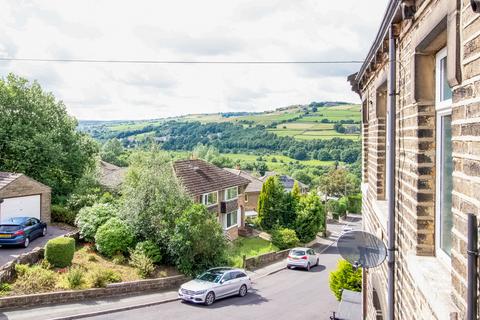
27	206
22	196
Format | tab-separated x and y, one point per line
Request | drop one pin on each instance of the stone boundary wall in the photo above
114	289
7	271
264	259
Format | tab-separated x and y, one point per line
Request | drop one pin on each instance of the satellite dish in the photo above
362	249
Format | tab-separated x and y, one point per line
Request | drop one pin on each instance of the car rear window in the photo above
297	253
9	228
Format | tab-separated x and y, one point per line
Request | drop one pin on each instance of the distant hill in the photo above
316	120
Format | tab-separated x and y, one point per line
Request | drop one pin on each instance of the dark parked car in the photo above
21	230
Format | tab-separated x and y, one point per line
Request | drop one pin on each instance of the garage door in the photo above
20	207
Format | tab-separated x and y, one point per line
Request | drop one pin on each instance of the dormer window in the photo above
210	199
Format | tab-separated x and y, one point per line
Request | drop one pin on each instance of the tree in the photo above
349	155
324	155
198	242
271	203
261	167
112	152
310	217
296	192
339	182
345	277
39	138
152	197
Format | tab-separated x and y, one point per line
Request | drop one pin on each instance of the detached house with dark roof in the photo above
21	196
217	189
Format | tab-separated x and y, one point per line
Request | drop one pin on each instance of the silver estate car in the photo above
215	284
302	258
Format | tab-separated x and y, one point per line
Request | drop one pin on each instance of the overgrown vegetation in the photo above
345	277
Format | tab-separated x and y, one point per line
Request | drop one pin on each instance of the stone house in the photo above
249	199
21	196
423	69
111	176
286	181
218	189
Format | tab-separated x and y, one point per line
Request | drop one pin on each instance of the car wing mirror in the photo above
222	281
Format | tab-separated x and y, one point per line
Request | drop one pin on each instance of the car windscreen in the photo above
9	228
210	277
297	253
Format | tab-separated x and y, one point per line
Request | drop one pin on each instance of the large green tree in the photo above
339	182
310	217
198	242
276	208
114	152
153	197
39	138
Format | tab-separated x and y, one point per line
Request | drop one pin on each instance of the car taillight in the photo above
304	258
19	233
289	257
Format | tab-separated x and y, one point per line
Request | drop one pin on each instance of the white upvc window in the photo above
231	193
246	197
231	219
444	160
210	199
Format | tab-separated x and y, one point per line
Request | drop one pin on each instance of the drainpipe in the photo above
472	256
390	171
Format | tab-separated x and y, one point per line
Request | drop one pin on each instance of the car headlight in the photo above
200	292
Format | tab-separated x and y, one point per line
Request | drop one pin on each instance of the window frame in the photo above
235	213
205	196
443	109
226	193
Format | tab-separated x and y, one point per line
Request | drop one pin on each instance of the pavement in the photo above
277	293
9	253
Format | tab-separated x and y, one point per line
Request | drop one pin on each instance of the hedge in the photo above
59	251
62	214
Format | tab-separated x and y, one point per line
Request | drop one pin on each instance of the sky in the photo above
207	30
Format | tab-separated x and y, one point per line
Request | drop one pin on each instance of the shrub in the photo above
45	264
142	263
92	258
34	279
151	250
62	214
89	219
284	238
355	203
113	237
100	277
198	242
5	288
310	218
342	206
345	277
75	277
59	251
118	258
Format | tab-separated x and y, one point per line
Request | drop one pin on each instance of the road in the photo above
288	294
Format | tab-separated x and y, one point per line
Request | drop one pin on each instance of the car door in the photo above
36	225
312	257
29	230
230	283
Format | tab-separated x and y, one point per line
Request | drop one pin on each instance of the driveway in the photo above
9	253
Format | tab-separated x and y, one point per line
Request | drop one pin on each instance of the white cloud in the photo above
187	30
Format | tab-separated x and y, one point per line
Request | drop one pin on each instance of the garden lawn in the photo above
249	247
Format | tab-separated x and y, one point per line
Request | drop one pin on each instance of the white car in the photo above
302	258
214	284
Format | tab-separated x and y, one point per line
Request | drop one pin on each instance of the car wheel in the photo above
26	243
210	298
44	232
308	266
243	291
318	261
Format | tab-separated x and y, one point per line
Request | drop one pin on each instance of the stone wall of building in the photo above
422	291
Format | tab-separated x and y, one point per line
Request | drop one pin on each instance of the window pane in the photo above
446	222
231	193
446	91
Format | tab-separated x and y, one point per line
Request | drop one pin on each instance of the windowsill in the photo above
232	226
427	271
211	205
226	200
